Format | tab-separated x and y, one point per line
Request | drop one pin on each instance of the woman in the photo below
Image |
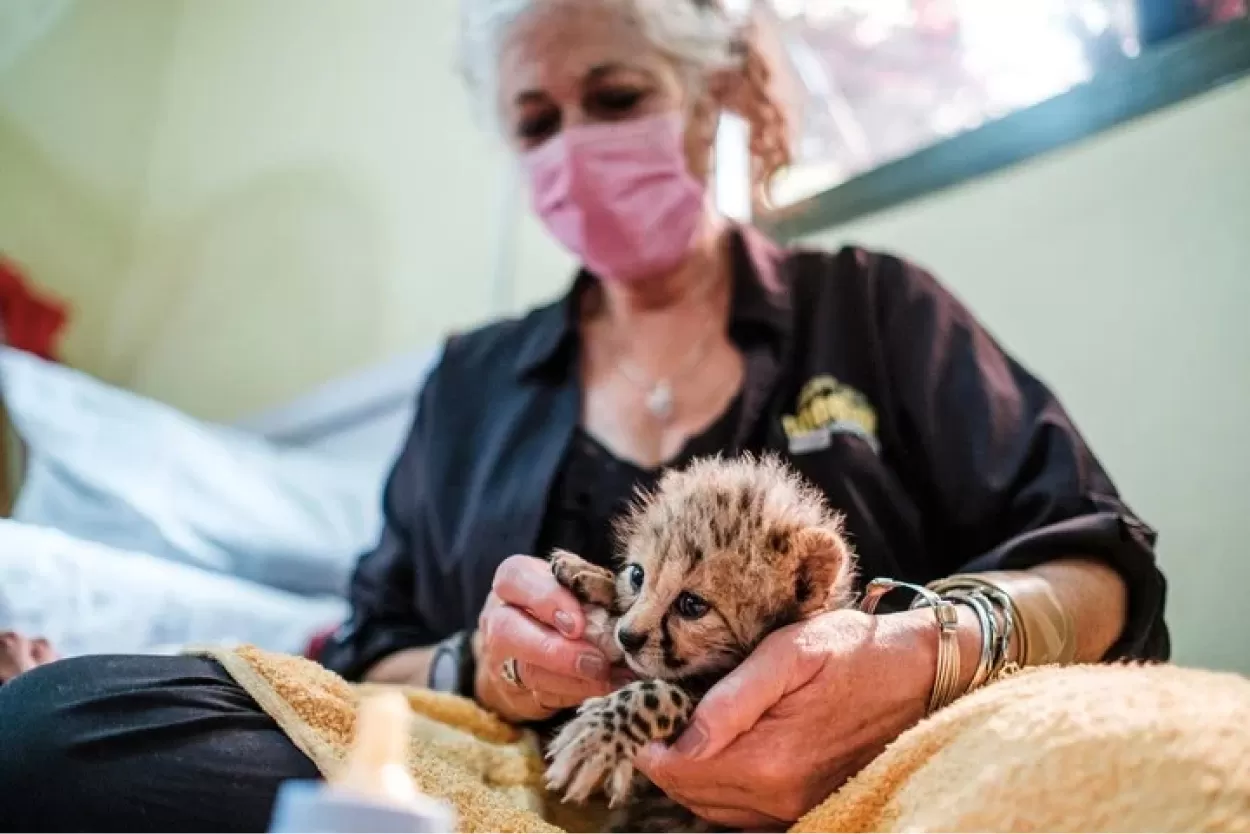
685	335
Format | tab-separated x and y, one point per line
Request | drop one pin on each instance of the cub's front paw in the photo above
598	746
591	584
595	589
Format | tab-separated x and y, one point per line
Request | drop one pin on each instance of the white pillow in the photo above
109	466
87	598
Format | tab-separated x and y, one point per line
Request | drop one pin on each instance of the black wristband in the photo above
453	667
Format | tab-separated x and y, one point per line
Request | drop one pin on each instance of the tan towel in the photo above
488	770
1092	748
1089	748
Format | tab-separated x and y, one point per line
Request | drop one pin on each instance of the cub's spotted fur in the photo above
719	556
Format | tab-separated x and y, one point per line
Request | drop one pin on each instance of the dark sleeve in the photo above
385	618
1006	477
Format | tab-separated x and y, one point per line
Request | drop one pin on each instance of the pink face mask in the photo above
619	196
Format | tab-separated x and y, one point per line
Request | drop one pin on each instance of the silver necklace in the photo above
659	392
660	399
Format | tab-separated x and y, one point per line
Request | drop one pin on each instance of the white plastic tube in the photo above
373	792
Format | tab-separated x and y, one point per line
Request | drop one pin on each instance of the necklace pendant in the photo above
660	401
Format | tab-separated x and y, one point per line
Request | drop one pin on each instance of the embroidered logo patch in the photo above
827	407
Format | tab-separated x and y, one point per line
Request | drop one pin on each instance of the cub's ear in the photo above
823	579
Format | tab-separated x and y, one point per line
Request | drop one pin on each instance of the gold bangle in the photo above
946	676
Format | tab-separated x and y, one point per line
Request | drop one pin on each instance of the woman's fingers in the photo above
512	634
559	691
527	583
530	619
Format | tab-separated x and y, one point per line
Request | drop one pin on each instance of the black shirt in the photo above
594	488
862	371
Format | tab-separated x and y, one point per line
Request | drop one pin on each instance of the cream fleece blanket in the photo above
1091	748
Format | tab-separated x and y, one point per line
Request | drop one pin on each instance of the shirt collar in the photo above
761	302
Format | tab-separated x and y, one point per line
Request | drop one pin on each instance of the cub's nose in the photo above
630	641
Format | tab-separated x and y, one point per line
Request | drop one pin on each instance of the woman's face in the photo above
578	62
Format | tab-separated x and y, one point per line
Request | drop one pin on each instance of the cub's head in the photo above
719	556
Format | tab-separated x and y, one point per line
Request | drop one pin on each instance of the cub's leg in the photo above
595	589
598	746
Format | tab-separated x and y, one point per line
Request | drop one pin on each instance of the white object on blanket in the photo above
109	466
373	791
87	598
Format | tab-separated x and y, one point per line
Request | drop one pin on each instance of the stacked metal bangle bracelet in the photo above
995	611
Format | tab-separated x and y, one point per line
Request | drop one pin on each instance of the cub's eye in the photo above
635	577
691	607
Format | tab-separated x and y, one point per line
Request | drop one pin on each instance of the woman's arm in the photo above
1092	594
833	692
1096	599
407	666
387	639
1005	480
410	666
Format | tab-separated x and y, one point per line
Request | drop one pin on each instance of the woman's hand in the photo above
807	710
530	617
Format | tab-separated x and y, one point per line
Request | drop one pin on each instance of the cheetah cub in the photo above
719	556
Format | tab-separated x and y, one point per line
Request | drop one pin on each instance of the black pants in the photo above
138	744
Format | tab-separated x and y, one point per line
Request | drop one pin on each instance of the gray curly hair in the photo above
700	35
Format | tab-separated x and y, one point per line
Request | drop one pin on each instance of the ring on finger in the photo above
508	669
